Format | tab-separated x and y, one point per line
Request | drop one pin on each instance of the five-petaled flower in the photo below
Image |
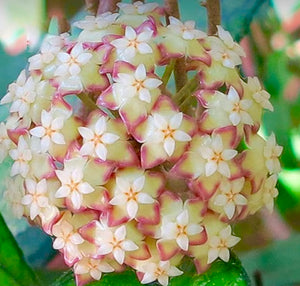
219	244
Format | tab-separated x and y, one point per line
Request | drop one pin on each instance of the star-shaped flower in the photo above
67	240
22	156
166	130
72	185
49	130
180	230
71	62
137	8
160	271
137	84
115	242
271	152
229	196
130	194
219	244
270	192
259	95
25	96
132	43
92	267
225	50
186	30
36	197
95	139
237	108
216	156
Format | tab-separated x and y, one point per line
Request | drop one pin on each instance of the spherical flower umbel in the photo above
120	170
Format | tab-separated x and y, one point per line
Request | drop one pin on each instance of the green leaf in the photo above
221	273
12	262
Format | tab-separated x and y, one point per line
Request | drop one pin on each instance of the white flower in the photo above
49	130
167	131
51	46
36	197
131	44
95	139
11	94
219	244
24	97
186	30
67	239
5	142
71	62
137	7
160	271
92	23
259	95
22	156
72	186
216	156
225	49
93	267
115	242
128	85
230	196
130	194
270	192
180	230
237	108
271	152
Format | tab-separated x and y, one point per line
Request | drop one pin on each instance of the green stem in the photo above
186	90
168	71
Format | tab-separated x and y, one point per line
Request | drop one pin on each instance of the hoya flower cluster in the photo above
122	171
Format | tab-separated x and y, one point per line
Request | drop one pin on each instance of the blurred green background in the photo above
269	31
